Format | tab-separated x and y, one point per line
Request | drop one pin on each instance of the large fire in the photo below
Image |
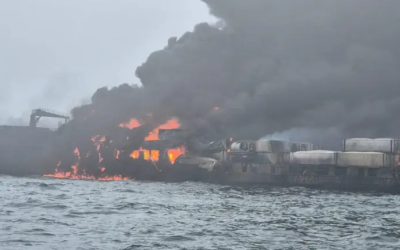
74	173
154	155
149	155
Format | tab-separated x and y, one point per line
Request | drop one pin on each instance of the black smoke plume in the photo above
327	70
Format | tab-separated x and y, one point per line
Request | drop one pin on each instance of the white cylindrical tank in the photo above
314	157
242	146
365	159
273	146
383	145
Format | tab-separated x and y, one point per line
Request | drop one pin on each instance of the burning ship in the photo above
169	153
131	151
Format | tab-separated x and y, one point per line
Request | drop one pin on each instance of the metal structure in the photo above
38	113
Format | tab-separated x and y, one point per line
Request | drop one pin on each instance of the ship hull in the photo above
389	185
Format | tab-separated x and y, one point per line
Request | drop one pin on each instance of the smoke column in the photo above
323	70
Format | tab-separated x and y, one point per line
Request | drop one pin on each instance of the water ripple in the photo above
74	214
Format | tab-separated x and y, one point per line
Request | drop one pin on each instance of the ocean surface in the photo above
40	213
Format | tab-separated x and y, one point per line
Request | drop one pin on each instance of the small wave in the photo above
35	230
132	247
55	206
28	203
127	190
22	241
62	196
128	205
51	221
79	214
38	231
148	231
197	233
178	238
6	212
41	184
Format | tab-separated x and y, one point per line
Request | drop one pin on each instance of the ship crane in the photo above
38	113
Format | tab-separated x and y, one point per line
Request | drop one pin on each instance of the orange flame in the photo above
74	173
174	153
133	123
68	175
154	155
150	155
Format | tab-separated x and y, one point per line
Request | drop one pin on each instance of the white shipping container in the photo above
303	146
314	157
364	159
384	145
273	146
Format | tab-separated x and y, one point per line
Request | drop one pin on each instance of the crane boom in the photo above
38	113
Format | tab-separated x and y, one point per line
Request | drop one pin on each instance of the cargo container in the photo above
365	159
303	146
271	163
314	157
273	146
383	145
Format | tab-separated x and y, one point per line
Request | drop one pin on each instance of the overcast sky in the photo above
55	53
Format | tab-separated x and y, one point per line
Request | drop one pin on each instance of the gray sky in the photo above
54	54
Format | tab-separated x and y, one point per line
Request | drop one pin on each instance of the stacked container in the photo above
366	152
303	146
314	157
383	145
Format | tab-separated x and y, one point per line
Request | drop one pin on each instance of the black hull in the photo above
179	174
351	184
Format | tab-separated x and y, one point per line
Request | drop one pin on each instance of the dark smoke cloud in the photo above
279	65
322	69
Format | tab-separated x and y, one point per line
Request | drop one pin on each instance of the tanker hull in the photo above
25	150
350	179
